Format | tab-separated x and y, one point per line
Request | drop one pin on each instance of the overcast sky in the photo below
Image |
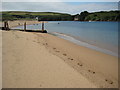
58	6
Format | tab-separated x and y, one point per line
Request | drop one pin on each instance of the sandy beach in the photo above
21	23
39	60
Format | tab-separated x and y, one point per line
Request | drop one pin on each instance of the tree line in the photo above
51	16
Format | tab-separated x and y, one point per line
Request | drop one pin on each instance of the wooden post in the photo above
42	26
5	23
24	26
6	26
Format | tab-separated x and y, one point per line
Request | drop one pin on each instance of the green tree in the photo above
83	15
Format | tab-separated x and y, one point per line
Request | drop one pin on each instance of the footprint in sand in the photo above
38	42
40	85
54	48
79	64
65	54
45	44
70	58
109	81
17	36
33	40
57	51
91	71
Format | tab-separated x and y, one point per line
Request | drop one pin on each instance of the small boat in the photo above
90	21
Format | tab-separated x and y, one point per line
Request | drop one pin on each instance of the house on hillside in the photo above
76	19
36	18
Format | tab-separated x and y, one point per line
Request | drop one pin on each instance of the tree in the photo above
83	15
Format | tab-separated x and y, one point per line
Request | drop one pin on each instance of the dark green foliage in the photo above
44	16
55	18
83	15
52	16
103	16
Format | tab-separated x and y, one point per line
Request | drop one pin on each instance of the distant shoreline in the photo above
54	16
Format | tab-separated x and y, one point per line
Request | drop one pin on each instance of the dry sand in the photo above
27	63
36	60
99	68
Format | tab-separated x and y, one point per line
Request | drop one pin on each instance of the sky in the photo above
60	0
59	6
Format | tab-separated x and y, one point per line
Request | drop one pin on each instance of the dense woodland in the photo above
52	16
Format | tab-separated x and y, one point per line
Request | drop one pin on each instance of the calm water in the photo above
101	36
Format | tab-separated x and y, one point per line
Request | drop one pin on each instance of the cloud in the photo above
64	7
60	0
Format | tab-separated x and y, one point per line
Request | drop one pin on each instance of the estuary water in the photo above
100	36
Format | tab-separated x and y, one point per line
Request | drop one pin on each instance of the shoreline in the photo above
84	43
95	61
96	46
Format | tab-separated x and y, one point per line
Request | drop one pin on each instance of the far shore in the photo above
39	60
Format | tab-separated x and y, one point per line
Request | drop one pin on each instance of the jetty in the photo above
7	28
